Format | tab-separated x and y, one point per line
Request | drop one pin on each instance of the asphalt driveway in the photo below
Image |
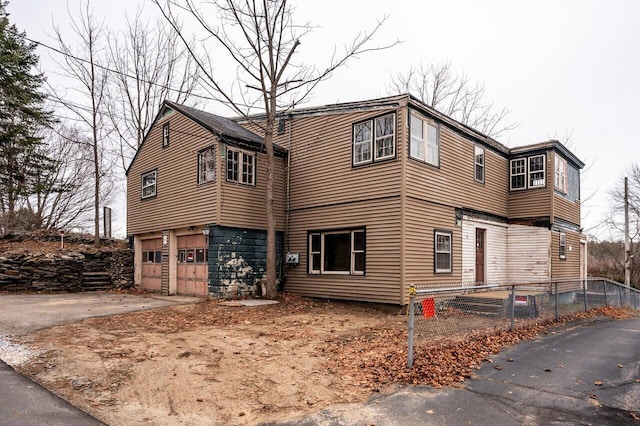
585	373
22	314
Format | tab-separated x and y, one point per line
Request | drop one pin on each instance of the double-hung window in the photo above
442	251
479	164
241	167
536	171
149	184
562	249
561	174
527	172
374	140
337	252
424	143
207	165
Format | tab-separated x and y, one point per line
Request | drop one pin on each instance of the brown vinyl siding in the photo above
244	206
569	267
565	209
453	183
536	202
180	201
422	218
381	282
321	161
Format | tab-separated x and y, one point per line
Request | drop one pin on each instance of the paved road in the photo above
523	392
22	314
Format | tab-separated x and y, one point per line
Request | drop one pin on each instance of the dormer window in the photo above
527	172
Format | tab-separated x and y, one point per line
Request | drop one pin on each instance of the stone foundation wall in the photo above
72	271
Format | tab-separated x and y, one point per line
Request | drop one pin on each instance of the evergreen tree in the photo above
22	117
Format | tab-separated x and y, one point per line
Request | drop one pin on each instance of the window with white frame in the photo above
562	249
241	167
424	142
165	134
337	252
527	172
561	174
207	165
479	164
442	252
374	139
536	171
518	173
149	184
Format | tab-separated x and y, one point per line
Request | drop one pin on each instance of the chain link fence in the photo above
454	309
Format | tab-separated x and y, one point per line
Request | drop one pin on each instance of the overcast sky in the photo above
562	67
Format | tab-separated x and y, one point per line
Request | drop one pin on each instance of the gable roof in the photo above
226	129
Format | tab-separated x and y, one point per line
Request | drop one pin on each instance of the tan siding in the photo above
528	258
531	203
321	162
453	183
180	201
422	218
569	267
565	209
382	280
244	206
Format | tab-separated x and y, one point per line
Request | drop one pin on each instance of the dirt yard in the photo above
207	363
213	364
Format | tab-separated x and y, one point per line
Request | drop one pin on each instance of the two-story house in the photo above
372	196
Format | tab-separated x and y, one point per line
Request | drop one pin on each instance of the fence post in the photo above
584	295
513	306
412	297
556	288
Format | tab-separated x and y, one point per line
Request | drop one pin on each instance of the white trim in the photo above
153	185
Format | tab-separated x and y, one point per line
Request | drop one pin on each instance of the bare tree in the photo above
615	218
87	102
261	38
148	66
63	190
455	95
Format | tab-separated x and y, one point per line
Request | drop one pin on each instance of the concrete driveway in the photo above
585	374
22	314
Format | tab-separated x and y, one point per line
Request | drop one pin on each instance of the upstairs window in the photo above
207	165
479	164
337	252
149	184
561	174
442	251
527	172
424	143
374	140
165	134
518	174
241	167
536	171
563	246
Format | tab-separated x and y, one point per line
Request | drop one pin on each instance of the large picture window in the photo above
337	252
442	251
149	184
207	165
374	139
241	167
425	141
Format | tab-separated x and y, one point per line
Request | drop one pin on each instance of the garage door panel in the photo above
192	265
151	264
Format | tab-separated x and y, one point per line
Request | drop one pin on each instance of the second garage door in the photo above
192	265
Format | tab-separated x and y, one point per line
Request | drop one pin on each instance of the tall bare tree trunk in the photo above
271	288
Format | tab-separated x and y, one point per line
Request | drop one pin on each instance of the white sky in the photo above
562	67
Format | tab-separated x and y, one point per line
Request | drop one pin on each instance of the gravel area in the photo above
15	354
